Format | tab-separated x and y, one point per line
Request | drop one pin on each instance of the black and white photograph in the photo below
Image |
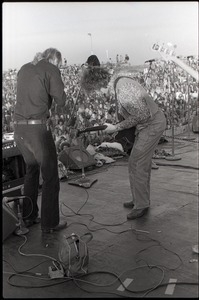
100	140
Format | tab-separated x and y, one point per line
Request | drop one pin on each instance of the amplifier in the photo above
13	188
9	148
13	169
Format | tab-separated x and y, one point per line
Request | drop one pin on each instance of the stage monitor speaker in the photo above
74	158
195	124
10	221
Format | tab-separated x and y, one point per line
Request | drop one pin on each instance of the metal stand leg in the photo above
83	181
21	229
173	156
188	104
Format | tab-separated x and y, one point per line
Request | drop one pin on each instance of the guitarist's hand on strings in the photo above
110	128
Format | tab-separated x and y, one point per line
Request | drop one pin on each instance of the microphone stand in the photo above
173	157
83	181
149	69
188	106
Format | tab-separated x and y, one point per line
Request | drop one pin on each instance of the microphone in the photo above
150	60
10	199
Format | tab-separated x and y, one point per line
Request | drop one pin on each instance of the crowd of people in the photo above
171	88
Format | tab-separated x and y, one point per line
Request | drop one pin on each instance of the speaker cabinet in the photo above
13	169
74	158
9	221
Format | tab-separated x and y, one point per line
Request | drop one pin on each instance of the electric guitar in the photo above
168	53
125	137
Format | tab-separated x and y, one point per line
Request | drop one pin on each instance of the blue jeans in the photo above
37	147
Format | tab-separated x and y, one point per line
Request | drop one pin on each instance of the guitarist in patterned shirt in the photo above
138	109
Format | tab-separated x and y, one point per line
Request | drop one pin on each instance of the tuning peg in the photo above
155	47
162	49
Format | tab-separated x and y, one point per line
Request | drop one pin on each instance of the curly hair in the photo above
95	78
93	60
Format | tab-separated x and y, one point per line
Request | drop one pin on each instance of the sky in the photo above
115	28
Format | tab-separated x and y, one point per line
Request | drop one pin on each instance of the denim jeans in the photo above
140	160
38	149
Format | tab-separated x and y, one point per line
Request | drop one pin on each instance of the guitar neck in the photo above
169	54
94	128
185	67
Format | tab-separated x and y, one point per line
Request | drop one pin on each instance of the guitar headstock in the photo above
167	52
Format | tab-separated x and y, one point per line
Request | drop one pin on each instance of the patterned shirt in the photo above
132	100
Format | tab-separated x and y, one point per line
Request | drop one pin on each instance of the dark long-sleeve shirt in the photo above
37	86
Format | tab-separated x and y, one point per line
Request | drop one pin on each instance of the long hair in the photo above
37	58
52	54
95	78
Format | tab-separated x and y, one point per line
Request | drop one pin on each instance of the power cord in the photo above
62	280
75	280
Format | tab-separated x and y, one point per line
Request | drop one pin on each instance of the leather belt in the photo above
29	122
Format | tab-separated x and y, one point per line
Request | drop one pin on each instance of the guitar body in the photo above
126	138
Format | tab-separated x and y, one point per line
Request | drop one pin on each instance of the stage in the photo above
146	254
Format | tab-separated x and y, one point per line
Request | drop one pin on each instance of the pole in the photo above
188	110
81	155
107	55
172	91
91	42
